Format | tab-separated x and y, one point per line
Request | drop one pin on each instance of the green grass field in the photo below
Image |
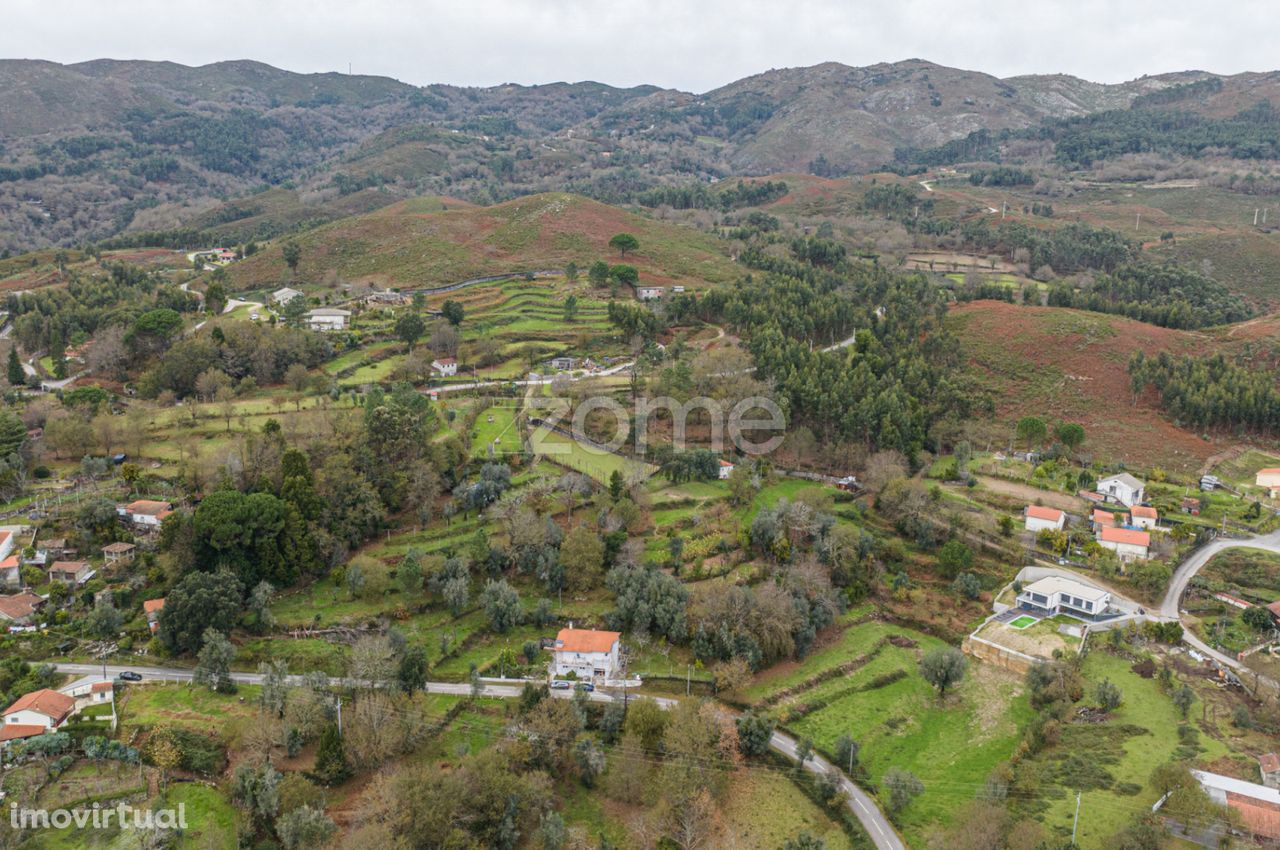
581	458
1022	622
498	437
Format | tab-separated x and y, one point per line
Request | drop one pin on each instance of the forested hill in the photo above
104	148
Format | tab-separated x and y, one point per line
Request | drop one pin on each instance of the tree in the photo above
590	760
570	307
453	312
1031	430
754	733
501	605
624	242
953	558
274	696
104	620
582	554
304	827
1070	434
213	667
331	758
943	667
257	791
647	721
198	602
1183	699
409	574
617	485
1258	618
1108	696
624	274
598	273
17	377
571	272
901	787
847	751
409	328
967	585
804	841
292	254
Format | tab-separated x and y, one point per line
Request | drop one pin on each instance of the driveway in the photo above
859	802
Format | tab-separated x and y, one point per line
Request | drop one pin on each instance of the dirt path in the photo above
1061	501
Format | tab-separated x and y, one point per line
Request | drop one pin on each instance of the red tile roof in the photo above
120	548
44	701
17	731
1269	762
1125	535
153	605
585	640
99	687
9	562
1040	512
19	605
1274	608
1103	517
149	507
1144	512
1259	816
1270	470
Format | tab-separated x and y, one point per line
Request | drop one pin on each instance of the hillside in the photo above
1071	365
427	242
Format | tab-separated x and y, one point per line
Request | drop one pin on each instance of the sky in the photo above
693	45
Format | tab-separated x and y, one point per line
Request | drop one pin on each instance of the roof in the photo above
1102	516
1131	536
445	361
152	605
1258	805
5	535
726	463
585	640
1274	608
1126	479
1270	470
329	311
1041	512
1144	511
17	731
67	566
148	506
1269	762
44	701
19	605
113	548
54	543
1054	585
9	563
100	687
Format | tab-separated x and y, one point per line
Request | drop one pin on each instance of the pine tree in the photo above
331	758
16	376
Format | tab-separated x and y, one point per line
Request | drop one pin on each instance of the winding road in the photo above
1187	570
863	806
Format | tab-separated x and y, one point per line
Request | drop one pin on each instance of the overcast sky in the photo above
695	45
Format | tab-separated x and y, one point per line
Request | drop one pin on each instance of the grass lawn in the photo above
147	705
592	462
1022	622
763	808
211	819
501	435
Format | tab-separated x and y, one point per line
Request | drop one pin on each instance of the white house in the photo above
1061	595
1140	516
284	295
36	713
6	544
1040	518
586	653
1128	543
648	293
563	364
328	319
1123	488
1269	478
147	513
446	366
11	571
87	692
726	469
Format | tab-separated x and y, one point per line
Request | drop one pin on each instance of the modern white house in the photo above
146	513
587	653
284	295
1130	544
328	319
1040	518
446	366
726	469
1123	488
1061	595
1141	516
1269	478
648	293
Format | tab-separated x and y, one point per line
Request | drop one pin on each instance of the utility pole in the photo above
1137	222
688	675
1076	820
339	717
1255	216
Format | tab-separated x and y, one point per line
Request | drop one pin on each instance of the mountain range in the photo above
104	149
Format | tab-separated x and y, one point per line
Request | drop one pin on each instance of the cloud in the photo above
694	45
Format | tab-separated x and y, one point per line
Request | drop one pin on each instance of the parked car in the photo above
584	686
130	676
561	685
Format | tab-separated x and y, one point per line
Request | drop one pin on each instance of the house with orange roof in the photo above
1040	518
1269	768
44	708
1129	544
7	543
1270	479
586	653
1257	805
74	573
726	469
114	553
11	571
152	608
1141	516
19	608
146	513
1103	518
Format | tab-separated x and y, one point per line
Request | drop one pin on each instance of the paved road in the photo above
860	803
1169	606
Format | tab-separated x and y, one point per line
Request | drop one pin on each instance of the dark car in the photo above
130	676
584	686
561	685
